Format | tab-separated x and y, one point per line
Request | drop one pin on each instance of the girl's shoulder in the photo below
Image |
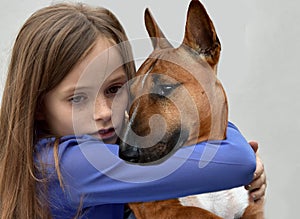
64	141
67	146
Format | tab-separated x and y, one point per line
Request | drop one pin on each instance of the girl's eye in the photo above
113	89
77	99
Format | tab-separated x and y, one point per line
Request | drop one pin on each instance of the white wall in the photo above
260	56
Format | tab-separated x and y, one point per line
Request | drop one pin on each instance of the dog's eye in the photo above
165	89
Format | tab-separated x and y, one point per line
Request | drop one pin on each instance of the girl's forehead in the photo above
104	59
101	63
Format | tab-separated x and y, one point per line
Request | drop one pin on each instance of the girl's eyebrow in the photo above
77	88
74	89
118	78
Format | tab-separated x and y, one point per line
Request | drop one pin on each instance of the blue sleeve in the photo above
93	170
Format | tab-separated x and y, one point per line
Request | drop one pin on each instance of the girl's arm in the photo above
93	170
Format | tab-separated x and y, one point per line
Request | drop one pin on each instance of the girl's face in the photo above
92	98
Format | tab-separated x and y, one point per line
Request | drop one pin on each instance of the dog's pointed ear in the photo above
200	33
158	39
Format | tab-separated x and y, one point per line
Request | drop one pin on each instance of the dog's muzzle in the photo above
156	153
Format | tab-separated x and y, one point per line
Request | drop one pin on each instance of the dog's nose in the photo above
129	153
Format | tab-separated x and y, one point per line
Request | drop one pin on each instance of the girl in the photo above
68	65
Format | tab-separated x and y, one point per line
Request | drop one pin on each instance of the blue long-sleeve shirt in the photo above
98	181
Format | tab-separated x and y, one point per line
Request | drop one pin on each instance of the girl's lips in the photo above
106	133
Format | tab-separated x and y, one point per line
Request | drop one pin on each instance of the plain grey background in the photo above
258	68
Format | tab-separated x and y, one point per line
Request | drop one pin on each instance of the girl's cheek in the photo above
122	99
119	106
81	118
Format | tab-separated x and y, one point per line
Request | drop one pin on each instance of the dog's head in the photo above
176	96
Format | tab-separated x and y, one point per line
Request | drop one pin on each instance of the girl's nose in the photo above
102	109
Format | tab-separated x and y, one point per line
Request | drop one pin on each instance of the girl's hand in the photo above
257	188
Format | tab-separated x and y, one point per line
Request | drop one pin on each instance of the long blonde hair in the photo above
48	45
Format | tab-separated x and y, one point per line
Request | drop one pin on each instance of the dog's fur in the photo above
181	85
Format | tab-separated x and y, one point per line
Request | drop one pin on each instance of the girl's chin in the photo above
111	141
109	137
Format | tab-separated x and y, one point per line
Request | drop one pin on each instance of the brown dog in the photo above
180	85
